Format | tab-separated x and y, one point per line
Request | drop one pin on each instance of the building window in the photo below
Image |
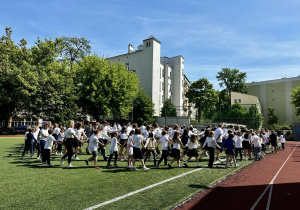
235	100
240	101
272	91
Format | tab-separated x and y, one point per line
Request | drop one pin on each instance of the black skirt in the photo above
192	153
175	153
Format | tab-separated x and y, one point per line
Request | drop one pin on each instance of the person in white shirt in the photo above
192	152
282	140
123	139
210	144
113	150
129	149
60	138
239	145
93	146
218	138
56	131
36	133
257	145
79	131
175	153
164	140
48	146
137	153
70	136
43	137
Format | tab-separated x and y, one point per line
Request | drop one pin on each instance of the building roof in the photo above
152	37
284	79
187	78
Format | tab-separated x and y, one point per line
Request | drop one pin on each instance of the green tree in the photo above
73	48
236	112
105	88
17	82
232	80
55	95
143	108
254	118
295	99
168	109
202	94
272	118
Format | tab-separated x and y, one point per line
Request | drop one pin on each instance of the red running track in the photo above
272	183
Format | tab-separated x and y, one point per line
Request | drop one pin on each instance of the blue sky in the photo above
260	37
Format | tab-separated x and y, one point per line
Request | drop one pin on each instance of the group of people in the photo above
132	142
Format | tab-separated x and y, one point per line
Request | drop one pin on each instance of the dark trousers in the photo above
164	157
27	147
282	144
211	151
111	155
238	150
38	149
148	155
102	149
59	147
47	155
69	146
42	145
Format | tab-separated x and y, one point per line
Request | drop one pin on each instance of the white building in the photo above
161	77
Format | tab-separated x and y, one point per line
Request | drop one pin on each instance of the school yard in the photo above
28	184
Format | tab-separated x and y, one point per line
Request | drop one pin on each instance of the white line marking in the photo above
271	184
141	190
145	188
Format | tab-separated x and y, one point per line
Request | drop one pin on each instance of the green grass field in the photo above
27	184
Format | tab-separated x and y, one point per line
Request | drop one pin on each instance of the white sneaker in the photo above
61	154
134	168
237	165
70	166
55	153
38	157
61	160
76	158
146	169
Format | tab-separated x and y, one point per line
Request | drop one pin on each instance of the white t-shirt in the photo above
56	130
164	143
123	136
218	132
256	141
36	134
79	132
177	145
60	136
113	146
239	141
192	145
49	142
44	132
137	140
69	133
93	144
282	139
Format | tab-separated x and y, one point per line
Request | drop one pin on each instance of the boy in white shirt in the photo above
48	146
93	146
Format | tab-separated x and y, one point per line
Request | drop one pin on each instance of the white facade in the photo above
161	77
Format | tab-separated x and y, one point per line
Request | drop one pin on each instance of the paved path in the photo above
272	183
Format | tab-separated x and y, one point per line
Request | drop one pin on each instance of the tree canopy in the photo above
202	94
232	80
57	80
168	109
143	108
295	99
272	117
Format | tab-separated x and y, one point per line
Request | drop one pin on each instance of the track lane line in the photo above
271	184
